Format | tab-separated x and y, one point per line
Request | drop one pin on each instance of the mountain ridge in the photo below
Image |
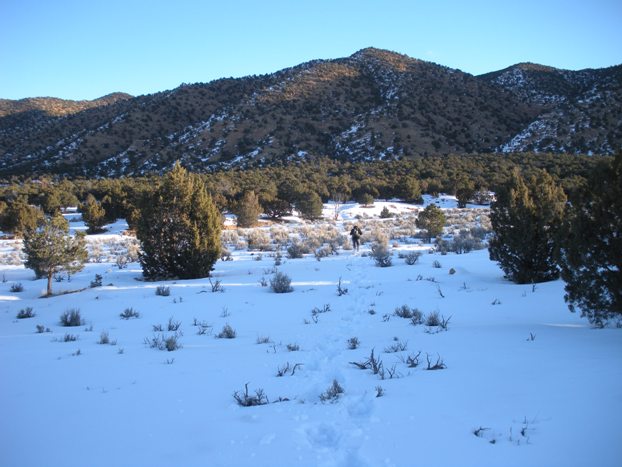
374	104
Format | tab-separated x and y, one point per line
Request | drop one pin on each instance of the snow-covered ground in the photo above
526	383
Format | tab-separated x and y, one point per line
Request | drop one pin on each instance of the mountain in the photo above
374	104
582	110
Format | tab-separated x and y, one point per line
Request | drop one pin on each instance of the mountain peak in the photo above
529	66
383	55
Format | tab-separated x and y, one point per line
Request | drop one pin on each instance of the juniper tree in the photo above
526	218
309	205
93	215
277	208
179	228
19	217
432	220
49	249
247	209
591	247
465	190
409	190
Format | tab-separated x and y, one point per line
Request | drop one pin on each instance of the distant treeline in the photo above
328	178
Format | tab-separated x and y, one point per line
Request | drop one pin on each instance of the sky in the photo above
85	49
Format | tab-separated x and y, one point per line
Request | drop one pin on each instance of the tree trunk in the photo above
49	293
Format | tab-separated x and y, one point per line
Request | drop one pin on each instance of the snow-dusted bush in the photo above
281	283
406	312
97	282
104	338
438	365
280	236
258	239
121	261
381	255
433	319
96	252
411	360
133	250
229	237
411	257
323	252
164	342
353	343
341	290
25	313
163	291
71	317
297	250
227	332
437	321
464	242
41	329
397	346
245	400
379	234
129	313
173	325
17	287
332	393
172	342
225	255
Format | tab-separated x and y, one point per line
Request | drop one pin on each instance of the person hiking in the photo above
356	234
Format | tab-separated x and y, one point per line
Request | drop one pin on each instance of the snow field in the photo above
527	383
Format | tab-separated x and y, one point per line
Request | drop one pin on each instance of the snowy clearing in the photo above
525	382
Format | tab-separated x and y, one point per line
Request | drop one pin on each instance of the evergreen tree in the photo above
465	190
366	199
432	220
309	205
385	213
179	228
277	208
247	209
51	201
49	249
93	215
19	217
408	189
366	194
526	219
591	251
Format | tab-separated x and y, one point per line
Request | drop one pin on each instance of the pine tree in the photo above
247	209
93	215
591	251
49	249
432	220
526	218
179	228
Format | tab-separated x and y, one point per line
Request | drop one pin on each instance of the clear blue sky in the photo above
84	49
